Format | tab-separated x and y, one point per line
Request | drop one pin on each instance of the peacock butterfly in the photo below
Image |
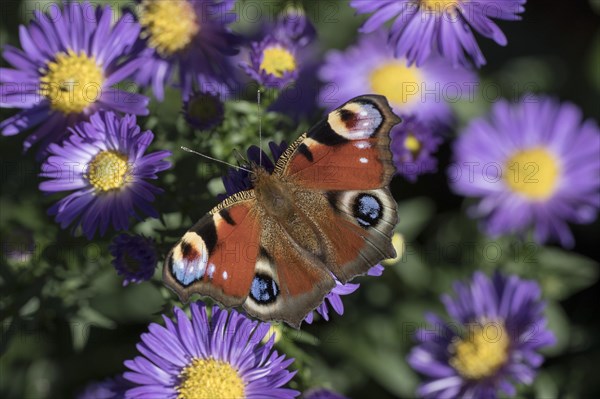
325	210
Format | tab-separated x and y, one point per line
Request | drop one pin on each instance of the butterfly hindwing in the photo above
217	256
289	282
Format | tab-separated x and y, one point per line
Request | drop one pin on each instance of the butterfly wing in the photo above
217	256
344	165
347	150
230	256
279	268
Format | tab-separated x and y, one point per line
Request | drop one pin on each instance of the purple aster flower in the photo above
18	245
493	342
413	146
294	25
321	393
200	358
334	297
111	388
189	37
272	62
369	67
203	111
70	61
299	99
134	257
104	165
423	27
534	165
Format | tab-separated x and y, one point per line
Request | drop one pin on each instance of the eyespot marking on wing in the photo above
367	210
264	289
355	121
188	261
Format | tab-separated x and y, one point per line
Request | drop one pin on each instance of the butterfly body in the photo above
324	211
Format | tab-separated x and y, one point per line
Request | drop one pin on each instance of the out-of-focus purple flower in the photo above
103	163
111	388
208	357
203	111
534	165
294	25
272	62
493	342
369	67
413	145
423	27
321	393
70	61
189	38
134	257
299	99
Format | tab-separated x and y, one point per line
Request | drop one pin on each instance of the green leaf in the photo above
563	273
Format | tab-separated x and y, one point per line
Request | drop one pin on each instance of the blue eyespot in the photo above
367	210
264	289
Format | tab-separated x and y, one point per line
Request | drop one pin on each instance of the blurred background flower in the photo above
414	145
493	342
111	388
134	257
203	111
541	171
273	62
189	38
369	67
70	61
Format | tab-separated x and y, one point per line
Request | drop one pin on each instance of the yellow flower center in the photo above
412	144
72	82
277	60
440	6
108	171
399	83
533	173
482	352
210	378
169	25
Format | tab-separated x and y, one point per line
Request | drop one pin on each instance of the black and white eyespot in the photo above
355	121
264	289
367	209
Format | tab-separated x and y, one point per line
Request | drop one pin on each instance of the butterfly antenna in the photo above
259	128
215	159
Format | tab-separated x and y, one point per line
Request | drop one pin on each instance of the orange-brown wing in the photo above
290	280
217	256
348	150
